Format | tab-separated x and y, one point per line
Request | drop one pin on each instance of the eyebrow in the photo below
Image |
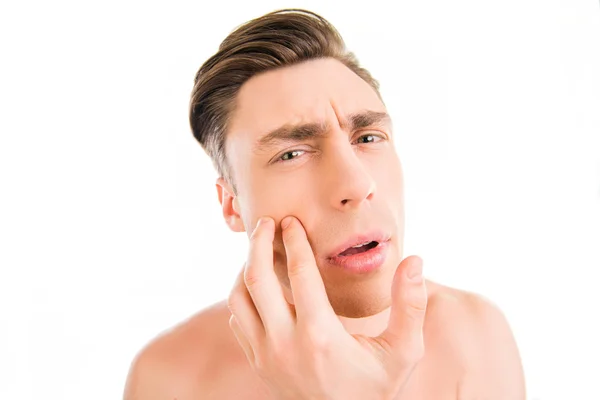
315	130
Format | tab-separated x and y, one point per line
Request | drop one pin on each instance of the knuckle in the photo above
297	268
416	310
416	302
233	300
251	279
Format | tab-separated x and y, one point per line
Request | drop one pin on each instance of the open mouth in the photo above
359	249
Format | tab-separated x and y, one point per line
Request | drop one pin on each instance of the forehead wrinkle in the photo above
315	130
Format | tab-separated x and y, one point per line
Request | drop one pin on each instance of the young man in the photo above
325	307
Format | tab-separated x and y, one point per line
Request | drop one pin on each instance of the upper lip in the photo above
371	236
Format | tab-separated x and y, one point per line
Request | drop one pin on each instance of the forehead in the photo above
311	91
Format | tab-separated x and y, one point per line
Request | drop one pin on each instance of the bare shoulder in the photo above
448	308
473	311
181	362
490	364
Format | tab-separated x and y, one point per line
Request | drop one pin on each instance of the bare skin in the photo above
201	358
338	185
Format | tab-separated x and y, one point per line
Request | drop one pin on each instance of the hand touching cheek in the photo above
304	352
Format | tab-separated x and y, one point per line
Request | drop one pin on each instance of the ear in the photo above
230	206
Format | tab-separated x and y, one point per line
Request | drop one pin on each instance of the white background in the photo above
110	229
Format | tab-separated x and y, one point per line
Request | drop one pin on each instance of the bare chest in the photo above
434	378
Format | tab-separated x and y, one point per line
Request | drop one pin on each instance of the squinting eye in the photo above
294	154
372	138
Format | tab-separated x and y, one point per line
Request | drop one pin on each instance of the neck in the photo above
372	326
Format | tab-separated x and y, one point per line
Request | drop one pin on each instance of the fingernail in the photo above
416	271
266	220
286	222
261	222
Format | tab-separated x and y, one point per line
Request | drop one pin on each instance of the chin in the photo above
362	298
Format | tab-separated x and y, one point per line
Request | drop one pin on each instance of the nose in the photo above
349	183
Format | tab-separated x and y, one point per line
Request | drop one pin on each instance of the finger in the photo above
241	339
262	282
308	289
242	308
409	304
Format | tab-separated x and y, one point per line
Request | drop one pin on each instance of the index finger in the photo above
262	282
308	289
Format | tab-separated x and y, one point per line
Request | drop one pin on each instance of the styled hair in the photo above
278	39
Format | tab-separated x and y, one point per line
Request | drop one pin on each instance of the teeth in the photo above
360	245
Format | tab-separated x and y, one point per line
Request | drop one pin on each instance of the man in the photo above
325	307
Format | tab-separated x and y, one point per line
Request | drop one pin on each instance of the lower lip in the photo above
367	261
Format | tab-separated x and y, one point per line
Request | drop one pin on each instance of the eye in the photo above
290	155
370	138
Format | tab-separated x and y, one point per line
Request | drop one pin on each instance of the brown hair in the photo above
277	39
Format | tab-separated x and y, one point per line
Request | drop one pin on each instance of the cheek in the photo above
391	184
396	178
390	173
277	197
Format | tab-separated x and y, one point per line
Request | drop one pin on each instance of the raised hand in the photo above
304	352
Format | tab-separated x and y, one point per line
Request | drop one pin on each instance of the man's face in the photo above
339	184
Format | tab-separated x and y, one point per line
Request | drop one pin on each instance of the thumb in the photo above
409	302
